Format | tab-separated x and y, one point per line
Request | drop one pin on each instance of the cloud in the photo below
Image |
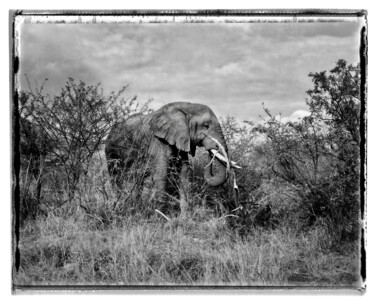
295	116
300	30
232	68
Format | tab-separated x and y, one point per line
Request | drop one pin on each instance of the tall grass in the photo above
101	238
66	251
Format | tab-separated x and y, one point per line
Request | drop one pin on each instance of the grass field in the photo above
98	244
199	251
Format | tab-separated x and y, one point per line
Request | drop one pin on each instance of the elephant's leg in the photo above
184	186
155	185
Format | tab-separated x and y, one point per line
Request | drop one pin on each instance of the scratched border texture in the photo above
75	16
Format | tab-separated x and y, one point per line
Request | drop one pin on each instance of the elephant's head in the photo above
188	125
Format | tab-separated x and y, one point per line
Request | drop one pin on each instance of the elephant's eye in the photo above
206	125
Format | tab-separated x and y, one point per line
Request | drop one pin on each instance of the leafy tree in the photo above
73	124
334	101
319	154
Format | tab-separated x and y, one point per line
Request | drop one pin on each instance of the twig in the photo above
58	206
234	165
238	208
228	215
222	158
235	189
162	214
91	215
172	197
234	182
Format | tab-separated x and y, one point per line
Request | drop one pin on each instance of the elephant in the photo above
162	141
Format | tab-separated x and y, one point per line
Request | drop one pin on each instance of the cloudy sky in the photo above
232	67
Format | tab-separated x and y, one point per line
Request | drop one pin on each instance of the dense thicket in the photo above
307	170
61	133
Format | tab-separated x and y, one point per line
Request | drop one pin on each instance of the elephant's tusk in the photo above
226	158
222	158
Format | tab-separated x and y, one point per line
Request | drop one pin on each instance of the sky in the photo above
231	67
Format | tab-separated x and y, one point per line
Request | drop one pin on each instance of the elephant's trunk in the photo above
215	173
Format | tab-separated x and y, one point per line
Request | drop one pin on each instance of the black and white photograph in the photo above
189	149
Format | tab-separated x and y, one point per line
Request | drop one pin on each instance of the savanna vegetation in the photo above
298	222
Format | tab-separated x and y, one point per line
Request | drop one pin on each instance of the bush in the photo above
60	135
319	155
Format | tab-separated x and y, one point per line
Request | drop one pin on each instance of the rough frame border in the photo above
131	289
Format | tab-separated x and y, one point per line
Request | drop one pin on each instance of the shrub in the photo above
61	133
319	155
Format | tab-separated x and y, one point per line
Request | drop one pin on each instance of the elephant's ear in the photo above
171	124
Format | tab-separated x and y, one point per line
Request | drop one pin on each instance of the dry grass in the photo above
108	243
57	250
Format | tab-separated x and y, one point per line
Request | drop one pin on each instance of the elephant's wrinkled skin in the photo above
166	136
